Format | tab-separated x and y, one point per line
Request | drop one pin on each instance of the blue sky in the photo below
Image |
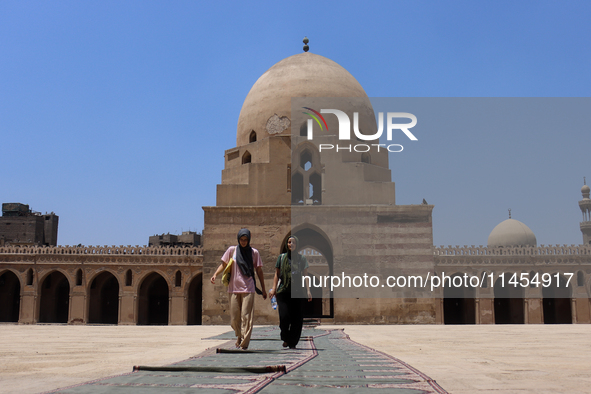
116	115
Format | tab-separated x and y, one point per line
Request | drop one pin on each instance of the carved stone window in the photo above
29	277
304	129
306	160
306	178
365	158
246	158
128	278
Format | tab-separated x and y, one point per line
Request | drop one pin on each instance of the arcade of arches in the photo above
100	285
55	288
563	302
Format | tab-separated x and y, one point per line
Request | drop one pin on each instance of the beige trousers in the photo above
241	314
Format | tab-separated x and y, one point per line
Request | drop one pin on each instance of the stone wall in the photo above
382	239
550	260
269	227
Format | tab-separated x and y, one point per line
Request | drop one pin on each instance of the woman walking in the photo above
242	285
290	268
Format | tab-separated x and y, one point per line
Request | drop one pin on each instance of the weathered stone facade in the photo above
535	304
80	293
406	236
21	226
117	285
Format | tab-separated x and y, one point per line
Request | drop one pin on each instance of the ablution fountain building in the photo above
342	207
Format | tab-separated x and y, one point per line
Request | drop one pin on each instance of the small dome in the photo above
302	75
511	232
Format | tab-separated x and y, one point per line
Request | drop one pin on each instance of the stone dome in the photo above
585	191
511	232
267	107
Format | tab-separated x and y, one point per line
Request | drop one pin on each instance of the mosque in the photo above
341	205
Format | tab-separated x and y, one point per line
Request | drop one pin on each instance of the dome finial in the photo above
509	213
585	189
306	47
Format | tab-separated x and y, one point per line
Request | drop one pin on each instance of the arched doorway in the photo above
10	297
153	301
557	301
103	306
194	296
509	302
458	303
54	305
320	262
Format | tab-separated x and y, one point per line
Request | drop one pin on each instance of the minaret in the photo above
585	205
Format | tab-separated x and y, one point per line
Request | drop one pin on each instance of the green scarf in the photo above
286	267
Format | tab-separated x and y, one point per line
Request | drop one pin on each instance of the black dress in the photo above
291	309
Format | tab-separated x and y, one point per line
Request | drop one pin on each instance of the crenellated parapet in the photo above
542	250
544	258
102	250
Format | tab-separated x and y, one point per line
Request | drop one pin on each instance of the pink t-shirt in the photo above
238	282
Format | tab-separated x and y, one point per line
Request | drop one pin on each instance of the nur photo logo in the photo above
344	131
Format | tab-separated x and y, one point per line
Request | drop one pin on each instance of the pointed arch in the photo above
311	236
306	151
128	278
459	306
30	277
246	158
306	175
54	303
103	299
556	303
79	277
10	297
153	300
509	302
305	159
194	297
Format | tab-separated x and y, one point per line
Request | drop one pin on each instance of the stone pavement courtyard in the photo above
461	359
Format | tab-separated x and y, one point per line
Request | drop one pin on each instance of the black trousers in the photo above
291	317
